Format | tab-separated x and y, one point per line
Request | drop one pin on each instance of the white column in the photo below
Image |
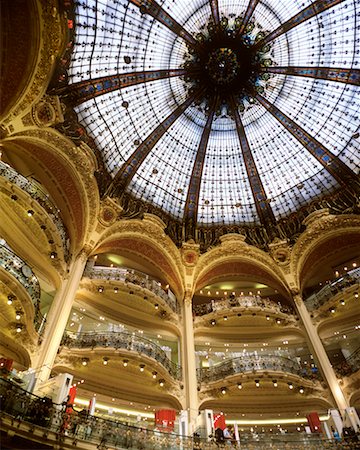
58	317
189	364
321	355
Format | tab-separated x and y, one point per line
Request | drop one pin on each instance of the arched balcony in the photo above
252	363
135	277
241	302
17	268
36	192
126	341
318	299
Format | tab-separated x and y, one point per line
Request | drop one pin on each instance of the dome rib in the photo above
340	171
348	76
307	13
247	16
262	203
130	167
83	91
192	199
158	13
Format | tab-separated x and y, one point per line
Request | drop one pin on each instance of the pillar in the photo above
189	364
57	318
321	355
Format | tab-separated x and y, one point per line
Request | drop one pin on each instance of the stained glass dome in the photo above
220	112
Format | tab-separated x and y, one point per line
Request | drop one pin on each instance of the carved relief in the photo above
109	211
47	112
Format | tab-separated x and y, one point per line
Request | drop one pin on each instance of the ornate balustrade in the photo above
37	193
65	426
16	267
253	362
318	299
135	277
248	301
126	341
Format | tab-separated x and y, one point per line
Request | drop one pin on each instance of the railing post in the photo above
58	317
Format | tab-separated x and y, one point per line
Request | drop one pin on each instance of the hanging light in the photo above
342	302
212	322
105	361
116	290
101	289
85	361
275	384
142	367
225	318
19	328
154	374
332	309
10	299
161	382
291	386
239	386
156	306
278	321
267	317
356	295
30	212
18	315
257	383
223	390
301	390
53	255
125	362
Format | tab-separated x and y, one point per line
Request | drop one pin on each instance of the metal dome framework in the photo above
228	159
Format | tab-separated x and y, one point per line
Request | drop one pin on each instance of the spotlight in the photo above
101	289
213	322
156	306
105	361
301	390
30	212
116	290
142	367
85	361
342	302
257	383
19	328
18	315
332	309
125	362
275	384
225	318
267	317
239	386
161	382
10	299
356	295
154	374
278	321
291	386
53	255
223	390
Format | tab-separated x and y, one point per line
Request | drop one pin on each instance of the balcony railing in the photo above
318	299
246	301
36	192
135	277
65	426
126	341
255	363
350	365
14	265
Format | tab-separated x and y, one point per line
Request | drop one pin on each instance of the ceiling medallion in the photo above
225	61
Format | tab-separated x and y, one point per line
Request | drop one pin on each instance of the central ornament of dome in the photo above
227	62
223	65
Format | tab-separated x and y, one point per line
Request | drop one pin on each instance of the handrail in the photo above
255	362
13	265
127	275
127	341
37	193
66	422
318	299
242	301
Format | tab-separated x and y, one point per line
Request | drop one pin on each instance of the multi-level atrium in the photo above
180	230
